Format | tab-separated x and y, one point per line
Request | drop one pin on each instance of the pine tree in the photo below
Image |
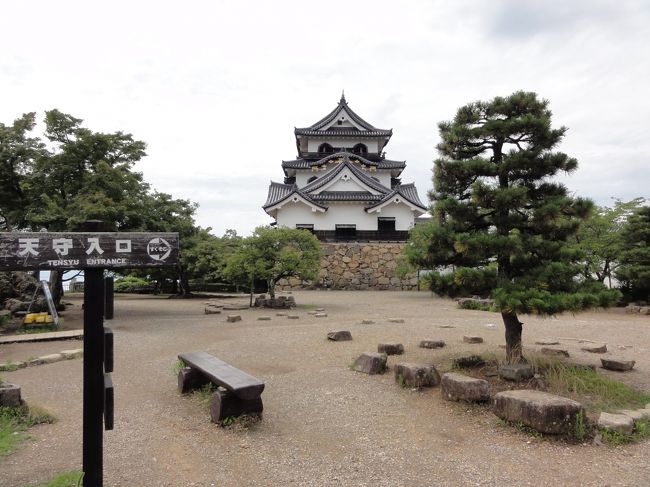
634	271
500	224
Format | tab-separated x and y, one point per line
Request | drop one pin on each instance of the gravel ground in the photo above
324	425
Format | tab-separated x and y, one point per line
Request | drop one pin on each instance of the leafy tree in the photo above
600	239
500	224
205	255
18	154
634	271
274	253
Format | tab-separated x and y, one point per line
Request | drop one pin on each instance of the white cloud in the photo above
215	88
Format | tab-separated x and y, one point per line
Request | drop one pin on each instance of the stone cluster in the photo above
359	266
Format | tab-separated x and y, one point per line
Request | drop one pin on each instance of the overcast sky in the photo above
215	88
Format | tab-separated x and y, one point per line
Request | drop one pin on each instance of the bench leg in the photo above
190	379
225	404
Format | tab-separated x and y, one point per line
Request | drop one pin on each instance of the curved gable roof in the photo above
318	127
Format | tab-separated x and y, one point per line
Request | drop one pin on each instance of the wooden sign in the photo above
53	251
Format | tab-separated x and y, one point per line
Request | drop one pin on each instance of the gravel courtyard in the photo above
323	425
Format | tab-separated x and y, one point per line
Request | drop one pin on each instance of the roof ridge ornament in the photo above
342	100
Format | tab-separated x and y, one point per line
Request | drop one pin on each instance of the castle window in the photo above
346	232
305	226
313	178
326	148
360	149
385	225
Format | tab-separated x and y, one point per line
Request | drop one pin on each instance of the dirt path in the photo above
323	424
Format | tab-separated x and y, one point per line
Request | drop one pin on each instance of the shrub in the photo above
131	284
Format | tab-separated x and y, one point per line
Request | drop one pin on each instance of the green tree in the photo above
500	224
205	255
18	154
634	271
600	239
273	253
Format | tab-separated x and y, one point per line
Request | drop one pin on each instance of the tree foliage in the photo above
601	241
274	253
500	225
634	271
74	174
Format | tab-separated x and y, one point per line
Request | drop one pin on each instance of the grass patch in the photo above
641	432
177	367
204	394
66	479
8	367
15	421
595	391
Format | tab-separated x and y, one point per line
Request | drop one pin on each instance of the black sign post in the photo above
93	252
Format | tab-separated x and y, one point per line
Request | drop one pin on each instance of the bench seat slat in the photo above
240	383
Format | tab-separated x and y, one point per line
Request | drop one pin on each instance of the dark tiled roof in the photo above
316	128
346	196
406	191
303	164
344	132
279	191
367	180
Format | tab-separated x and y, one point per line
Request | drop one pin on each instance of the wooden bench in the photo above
238	393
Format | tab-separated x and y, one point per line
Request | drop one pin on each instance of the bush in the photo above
131	284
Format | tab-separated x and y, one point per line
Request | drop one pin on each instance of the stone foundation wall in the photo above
351	265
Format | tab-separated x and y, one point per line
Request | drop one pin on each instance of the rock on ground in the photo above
544	412
10	395
432	344
339	335
472	339
391	348
547	341
616	422
417	375
516	372
555	352
595	348
459	387
618	365
371	363
233	318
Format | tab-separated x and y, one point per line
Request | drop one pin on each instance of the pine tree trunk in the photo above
513	338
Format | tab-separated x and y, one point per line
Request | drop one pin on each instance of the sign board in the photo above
87	250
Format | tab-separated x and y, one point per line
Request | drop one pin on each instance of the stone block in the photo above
395	320
468	361
319	310
417	375
544	412
211	311
47	359
339	335
516	372
367	322
281	314
635	415
432	344
320	315
391	348
459	387
618	365
293	317
616	422
547	341
233	318
72	354
472	339
10	395
371	363
555	352
263	318
595	348
645	413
